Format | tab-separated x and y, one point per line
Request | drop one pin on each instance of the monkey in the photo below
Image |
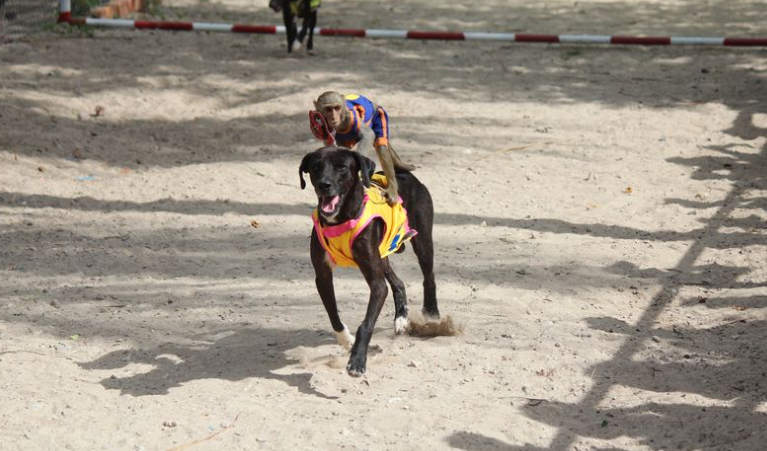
360	122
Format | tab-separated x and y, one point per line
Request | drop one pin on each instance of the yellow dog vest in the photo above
338	239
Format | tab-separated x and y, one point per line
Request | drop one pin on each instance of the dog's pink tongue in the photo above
329	203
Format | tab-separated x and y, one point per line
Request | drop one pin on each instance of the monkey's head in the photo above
333	108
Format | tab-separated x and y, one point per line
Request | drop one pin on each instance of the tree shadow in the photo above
166	205
242	353
474	441
554	75
714	362
714	375
738	303
253	127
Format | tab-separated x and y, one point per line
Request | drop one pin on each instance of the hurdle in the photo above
65	16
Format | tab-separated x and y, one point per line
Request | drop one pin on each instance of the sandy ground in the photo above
600	233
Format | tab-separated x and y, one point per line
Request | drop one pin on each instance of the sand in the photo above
600	234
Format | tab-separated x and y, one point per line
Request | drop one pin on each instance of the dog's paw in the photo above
345	338
357	364
355	370
400	325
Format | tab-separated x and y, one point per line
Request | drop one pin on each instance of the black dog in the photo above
305	12
340	177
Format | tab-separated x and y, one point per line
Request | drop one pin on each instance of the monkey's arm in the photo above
366	137
365	145
384	156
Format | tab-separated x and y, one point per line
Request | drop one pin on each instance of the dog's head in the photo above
337	173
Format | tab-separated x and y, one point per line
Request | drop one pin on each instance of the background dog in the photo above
303	10
340	177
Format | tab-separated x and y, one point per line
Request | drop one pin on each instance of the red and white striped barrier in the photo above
65	16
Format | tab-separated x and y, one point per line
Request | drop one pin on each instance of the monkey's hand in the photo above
392	197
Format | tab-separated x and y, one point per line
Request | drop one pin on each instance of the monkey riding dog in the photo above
341	178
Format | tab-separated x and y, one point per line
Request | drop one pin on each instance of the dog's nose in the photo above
324	186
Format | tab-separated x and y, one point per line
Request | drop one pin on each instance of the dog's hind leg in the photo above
307	27
400	298
323	270
312	24
300	36
423	246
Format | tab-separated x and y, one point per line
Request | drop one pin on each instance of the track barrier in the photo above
66	17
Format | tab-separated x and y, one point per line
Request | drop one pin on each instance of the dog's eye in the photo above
342	169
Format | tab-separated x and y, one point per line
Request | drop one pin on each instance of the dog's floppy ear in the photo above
304	167
366	166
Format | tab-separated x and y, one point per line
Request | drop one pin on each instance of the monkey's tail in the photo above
400	165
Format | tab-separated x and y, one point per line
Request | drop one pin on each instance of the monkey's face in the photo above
334	115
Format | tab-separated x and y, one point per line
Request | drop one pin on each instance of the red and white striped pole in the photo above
65	15
65	11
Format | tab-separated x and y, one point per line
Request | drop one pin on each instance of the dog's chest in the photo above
337	240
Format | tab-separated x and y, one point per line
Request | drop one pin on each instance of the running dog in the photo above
355	227
303	9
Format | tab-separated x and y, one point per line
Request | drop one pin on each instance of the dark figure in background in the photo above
303	9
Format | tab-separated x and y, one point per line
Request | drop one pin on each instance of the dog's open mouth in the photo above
329	204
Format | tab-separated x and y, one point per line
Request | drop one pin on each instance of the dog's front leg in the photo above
378	293
371	265
323	270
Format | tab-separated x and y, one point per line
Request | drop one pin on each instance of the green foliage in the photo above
153	8
566	53
82	8
66	29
